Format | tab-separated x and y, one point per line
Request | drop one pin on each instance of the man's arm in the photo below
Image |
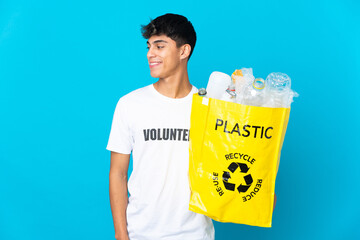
118	193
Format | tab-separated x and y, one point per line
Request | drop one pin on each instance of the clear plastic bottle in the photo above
254	93
241	79
217	85
278	90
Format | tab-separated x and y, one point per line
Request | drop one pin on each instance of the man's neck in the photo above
177	86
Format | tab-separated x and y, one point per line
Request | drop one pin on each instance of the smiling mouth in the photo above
153	64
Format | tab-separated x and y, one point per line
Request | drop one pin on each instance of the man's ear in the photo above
185	51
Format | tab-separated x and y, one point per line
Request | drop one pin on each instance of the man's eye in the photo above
147	47
160	47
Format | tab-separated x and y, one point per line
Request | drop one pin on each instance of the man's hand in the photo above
274	201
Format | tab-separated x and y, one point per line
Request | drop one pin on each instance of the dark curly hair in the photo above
174	26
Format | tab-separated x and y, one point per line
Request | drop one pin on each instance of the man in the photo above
153	123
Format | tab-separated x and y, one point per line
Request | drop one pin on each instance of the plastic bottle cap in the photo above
202	92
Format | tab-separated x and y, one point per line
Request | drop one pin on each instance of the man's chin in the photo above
159	74
155	75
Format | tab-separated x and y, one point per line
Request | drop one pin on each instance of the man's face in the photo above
163	56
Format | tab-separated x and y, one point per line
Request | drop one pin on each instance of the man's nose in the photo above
150	53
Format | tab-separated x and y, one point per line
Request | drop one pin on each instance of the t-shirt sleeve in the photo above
121	139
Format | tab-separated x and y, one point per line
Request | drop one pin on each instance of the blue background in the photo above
64	65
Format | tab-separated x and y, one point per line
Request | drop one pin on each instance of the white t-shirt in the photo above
155	128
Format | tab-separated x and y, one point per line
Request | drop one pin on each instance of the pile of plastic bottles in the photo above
242	87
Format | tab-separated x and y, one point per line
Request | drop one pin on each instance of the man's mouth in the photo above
154	64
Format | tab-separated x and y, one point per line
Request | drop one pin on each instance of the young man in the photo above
153	123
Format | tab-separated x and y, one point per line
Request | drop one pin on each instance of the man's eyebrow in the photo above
157	41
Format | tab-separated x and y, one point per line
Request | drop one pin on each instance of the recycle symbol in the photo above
243	169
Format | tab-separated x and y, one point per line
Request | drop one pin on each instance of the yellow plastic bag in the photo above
234	157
